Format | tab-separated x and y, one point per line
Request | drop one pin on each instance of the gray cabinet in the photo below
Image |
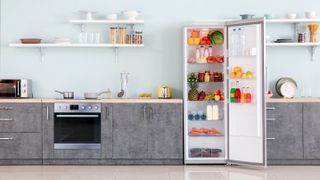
147	131
130	135
20	146
165	131
20	117
284	131
20	131
311	128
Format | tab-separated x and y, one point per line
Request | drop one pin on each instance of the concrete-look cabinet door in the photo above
106	131
311	130
284	131
25	117
20	146
130	135
165	131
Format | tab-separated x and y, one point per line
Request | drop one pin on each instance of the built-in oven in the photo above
77	126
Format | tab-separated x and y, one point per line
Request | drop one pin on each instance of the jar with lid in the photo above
201	76
113	35
207	76
122	35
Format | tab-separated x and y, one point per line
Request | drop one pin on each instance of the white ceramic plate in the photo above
288	89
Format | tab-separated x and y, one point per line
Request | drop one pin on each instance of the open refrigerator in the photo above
224	93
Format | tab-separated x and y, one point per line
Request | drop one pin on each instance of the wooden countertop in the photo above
294	100
44	100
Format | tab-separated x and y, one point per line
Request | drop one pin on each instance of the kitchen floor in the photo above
157	173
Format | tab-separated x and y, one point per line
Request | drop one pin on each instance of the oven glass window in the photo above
77	128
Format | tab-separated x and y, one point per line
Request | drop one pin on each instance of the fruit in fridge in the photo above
216	37
193	84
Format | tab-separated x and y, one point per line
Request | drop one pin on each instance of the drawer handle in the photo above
271	108
6	108
271	119
271	138
6	138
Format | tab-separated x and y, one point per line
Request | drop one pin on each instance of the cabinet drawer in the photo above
20	117
20	146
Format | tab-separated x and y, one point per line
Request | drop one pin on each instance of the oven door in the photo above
9	88
77	131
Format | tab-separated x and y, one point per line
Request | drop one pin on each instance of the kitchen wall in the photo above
160	62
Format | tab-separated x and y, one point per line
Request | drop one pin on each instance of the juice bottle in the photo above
243	95
237	94
248	96
232	93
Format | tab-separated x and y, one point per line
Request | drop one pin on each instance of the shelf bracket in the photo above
313	52
81	27
116	54
41	54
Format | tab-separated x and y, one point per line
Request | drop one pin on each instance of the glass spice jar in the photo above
207	76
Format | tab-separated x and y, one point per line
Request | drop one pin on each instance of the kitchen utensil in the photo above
289	87
93	95
30	41
131	15
292	15
310	14
124	79
313	28
164	92
66	94
121	94
112	16
247	16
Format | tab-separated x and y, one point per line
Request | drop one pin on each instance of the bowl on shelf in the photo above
30	41
292	15
310	14
131	15
247	16
112	16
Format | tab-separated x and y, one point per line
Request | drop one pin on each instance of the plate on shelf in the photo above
286	87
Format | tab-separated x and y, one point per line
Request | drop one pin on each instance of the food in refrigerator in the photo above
215	59
216	37
215	112
194	39
239	73
205	152
202	96
193	84
204	132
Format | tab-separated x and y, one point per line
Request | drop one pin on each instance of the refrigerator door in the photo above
246	92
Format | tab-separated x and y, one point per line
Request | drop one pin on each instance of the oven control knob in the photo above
96	107
82	107
89	107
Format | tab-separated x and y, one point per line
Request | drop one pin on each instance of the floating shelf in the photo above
293	44
312	46
42	46
292	20
106	22
48	45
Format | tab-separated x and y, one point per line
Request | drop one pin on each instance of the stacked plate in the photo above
61	40
284	41
286	87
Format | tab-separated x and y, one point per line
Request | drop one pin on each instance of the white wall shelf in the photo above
313	46
52	45
294	21
129	22
42	46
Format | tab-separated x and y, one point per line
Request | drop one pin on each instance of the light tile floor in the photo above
158	173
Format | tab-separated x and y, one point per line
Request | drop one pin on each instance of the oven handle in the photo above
80	116
18	88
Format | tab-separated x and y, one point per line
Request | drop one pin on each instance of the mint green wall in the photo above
160	62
